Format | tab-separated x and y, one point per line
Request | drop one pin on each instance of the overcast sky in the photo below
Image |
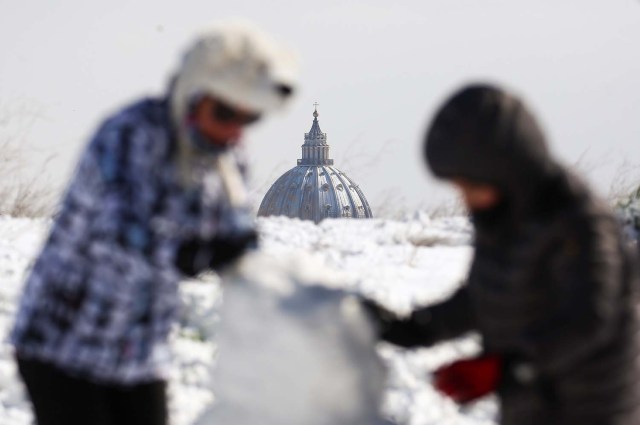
378	69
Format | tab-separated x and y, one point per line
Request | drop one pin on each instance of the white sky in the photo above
378	69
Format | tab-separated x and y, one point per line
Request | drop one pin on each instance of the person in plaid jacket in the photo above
157	196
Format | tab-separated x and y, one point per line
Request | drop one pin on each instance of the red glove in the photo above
467	380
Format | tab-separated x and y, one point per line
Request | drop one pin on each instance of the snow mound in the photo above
292	351
401	264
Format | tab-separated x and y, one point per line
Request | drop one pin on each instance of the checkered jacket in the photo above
101	297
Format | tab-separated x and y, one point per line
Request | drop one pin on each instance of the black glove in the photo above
196	255
406	332
380	315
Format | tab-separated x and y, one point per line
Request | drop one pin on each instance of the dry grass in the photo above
625	185
20	196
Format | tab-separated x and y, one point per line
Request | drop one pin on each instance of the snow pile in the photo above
20	241
293	352
401	264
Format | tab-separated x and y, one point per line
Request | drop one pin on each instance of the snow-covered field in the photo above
399	263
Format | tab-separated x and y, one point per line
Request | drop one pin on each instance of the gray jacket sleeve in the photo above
429	325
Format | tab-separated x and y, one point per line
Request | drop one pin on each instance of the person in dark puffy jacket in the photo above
158	196
551	290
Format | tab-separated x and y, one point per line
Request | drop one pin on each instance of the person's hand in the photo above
408	332
380	315
228	249
195	255
468	380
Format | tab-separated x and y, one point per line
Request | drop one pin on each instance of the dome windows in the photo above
310	191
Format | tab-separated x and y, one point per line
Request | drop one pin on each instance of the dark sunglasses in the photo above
227	114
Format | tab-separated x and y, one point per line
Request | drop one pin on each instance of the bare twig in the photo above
20	196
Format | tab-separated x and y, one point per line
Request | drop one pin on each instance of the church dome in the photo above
315	189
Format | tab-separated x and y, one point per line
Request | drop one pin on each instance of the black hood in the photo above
487	135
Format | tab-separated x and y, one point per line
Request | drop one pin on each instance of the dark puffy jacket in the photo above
551	288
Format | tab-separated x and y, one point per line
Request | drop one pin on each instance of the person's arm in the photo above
588	291
428	325
236	229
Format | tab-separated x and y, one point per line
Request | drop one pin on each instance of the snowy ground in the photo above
399	263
